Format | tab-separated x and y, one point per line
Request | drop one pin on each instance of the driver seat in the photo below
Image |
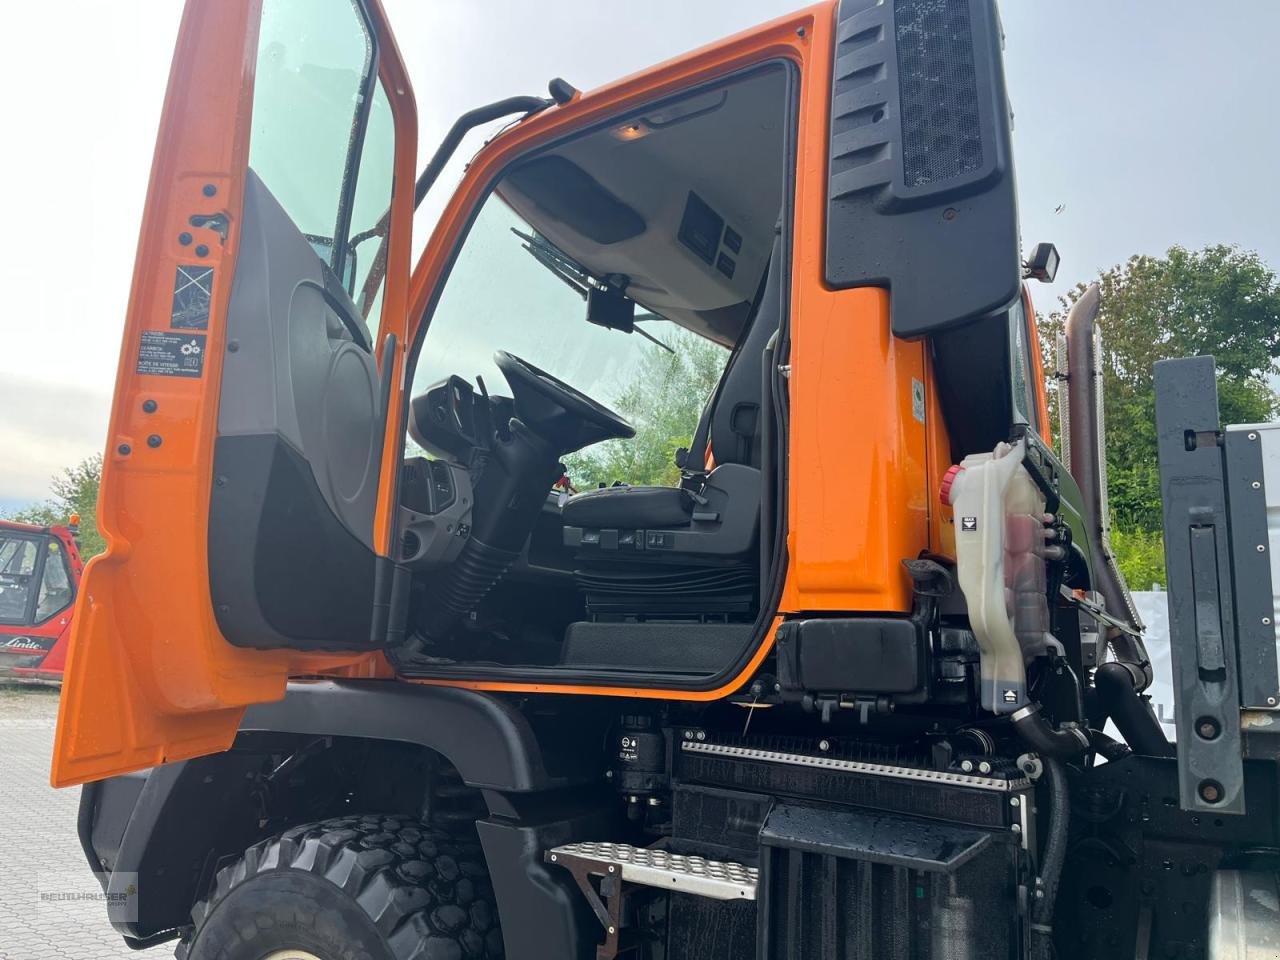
713	516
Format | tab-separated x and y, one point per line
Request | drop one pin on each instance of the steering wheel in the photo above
557	411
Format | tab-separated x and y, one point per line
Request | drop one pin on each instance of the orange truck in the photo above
40	568
360	675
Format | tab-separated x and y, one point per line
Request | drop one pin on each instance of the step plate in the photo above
717	879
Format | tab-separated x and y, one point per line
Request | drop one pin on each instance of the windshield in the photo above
500	296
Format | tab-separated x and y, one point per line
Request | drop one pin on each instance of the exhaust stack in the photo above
1084	451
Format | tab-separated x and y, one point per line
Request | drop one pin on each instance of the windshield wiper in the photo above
557	261
577	278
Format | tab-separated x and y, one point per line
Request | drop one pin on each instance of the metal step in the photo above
650	867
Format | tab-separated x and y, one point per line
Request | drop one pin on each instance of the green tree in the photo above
663	400
1220	300
74	491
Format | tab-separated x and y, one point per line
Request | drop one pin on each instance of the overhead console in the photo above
705	232
678	203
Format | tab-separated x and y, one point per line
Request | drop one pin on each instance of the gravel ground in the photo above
50	903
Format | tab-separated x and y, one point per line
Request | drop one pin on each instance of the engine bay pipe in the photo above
1119	687
1086	443
1029	723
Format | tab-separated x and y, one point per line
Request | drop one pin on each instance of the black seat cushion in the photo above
619	508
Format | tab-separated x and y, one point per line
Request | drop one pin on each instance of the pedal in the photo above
650	867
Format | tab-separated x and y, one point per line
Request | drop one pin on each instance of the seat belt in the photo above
696	457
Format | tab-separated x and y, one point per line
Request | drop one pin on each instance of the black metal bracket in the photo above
606	904
1201	588
1251	567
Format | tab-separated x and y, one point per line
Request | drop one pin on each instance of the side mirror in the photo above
1042	265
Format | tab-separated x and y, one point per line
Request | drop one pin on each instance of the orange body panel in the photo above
150	678
1037	368
856	498
942	530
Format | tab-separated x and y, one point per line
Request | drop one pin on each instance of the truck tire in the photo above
379	887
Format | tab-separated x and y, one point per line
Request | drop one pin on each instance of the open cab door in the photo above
244	500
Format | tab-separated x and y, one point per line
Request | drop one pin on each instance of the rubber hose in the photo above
1107	748
1032	727
1118	684
1055	854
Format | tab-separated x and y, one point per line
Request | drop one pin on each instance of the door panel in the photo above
298	450
240	485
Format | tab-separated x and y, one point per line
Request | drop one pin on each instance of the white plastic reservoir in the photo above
1000	541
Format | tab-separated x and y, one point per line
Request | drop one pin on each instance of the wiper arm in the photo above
557	261
636	328
575	275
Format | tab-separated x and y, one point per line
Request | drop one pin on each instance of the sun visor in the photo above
563	190
921	192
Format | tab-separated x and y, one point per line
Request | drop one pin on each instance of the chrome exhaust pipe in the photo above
1084	450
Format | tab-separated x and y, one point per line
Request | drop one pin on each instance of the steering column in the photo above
552	419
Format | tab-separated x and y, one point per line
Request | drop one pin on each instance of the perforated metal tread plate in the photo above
951	777
717	879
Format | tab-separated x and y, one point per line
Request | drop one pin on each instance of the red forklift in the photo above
40	571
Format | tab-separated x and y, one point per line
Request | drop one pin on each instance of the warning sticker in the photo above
192	288
164	354
968	524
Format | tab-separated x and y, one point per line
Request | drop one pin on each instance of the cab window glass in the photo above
370	211
322	133
17	570
55	582
1024	395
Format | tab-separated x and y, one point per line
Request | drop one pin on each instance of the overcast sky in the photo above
1150	123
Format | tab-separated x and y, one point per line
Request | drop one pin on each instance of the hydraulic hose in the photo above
1055	854
1118	684
1031	726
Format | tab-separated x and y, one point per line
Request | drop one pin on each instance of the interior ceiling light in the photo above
632	130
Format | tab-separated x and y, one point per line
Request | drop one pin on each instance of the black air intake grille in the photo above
941	136
823	907
856	885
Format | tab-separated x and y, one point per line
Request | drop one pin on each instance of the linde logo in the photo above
21	643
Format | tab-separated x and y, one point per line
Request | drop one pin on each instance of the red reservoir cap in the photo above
944	492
